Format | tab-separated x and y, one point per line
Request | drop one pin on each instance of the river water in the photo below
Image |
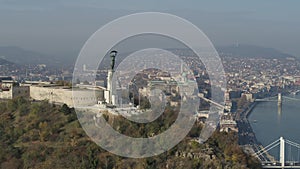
269	123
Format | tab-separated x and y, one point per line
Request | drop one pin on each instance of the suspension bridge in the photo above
289	154
279	98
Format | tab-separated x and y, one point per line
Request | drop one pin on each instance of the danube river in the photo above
269	122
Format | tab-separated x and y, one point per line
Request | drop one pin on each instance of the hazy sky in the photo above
61	27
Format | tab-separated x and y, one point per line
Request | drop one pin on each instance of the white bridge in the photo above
287	150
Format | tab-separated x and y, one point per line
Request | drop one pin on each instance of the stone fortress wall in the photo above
78	97
10	90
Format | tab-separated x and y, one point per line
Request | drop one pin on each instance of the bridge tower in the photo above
282	142
279	99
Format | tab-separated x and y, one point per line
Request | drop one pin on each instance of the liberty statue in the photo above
108	94
113	55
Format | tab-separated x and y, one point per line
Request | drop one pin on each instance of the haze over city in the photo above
61	27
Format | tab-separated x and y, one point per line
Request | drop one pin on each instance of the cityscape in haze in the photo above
55	105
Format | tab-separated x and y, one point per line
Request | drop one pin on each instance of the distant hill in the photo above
4	62
252	51
21	56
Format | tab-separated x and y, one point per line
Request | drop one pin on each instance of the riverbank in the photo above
246	133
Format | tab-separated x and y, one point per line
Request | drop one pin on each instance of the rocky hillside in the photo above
41	135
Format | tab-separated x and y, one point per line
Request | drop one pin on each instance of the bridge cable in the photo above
268	146
266	150
290	98
293	143
296	145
